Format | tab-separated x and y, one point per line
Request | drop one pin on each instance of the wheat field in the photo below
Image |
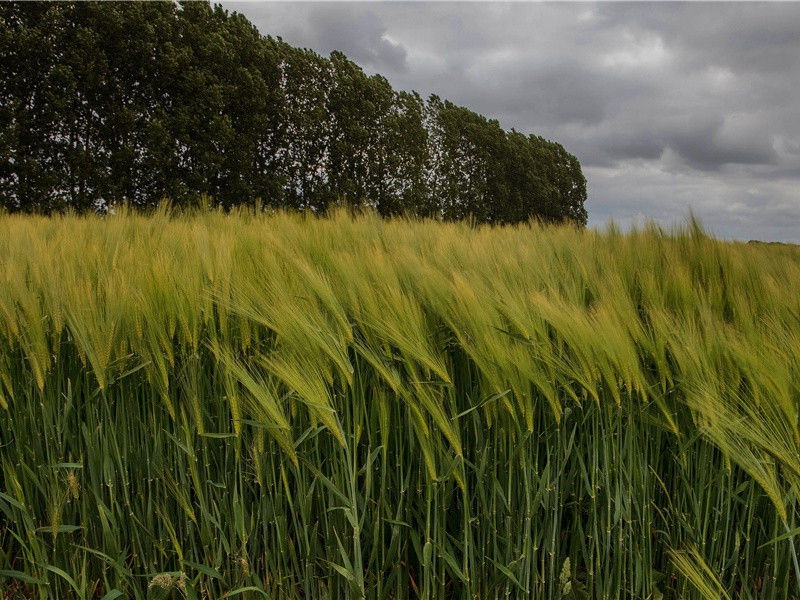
274	406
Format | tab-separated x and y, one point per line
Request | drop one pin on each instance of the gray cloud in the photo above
669	107
356	30
366	35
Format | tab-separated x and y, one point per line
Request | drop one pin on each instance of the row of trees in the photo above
105	103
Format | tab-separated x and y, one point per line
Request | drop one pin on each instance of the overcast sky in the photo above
668	107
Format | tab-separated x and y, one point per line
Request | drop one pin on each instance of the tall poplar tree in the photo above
105	103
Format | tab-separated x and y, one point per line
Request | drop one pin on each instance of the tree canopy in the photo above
104	103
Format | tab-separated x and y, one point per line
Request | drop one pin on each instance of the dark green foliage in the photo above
110	103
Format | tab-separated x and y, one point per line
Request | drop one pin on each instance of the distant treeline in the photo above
109	103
